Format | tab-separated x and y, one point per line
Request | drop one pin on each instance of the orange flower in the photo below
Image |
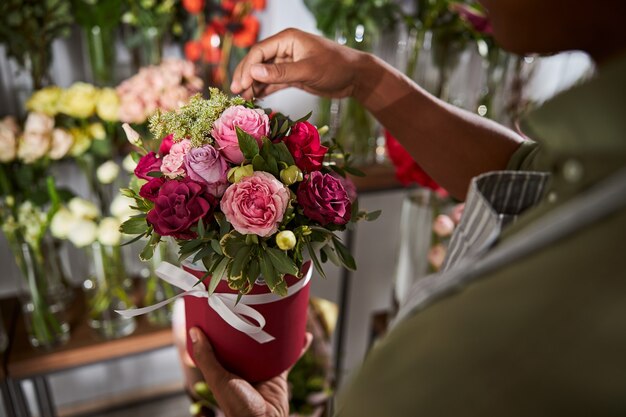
193	6
247	35
193	50
258	4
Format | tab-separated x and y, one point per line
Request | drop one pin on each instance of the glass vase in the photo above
42	307
107	290
415	240
101	48
156	289
151	46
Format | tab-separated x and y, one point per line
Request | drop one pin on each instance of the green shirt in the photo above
546	334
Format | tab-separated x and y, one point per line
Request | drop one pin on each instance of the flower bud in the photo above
132	135
237	173
291	175
108	172
202	389
286	240
323	130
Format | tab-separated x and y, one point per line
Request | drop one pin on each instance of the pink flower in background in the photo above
61	143
256	204
474	17
132	110
39	123
436	256
178	207
305	145
173	98
252	121
206	165
457	213
148	163
443	226
324	199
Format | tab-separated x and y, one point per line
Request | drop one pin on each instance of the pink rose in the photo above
39	123
181	147
304	144
148	163
207	166
166	145
252	121
324	199
132	110
173	165
178	207
33	146
61	143
256	204
173	98
443	226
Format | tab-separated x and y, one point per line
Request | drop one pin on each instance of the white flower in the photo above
39	123
33	146
132	135
33	220
109	231
83	209
62	142
83	232
108	172
129	164
62	223
120	207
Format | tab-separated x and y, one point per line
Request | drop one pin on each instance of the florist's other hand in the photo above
235	396
293	58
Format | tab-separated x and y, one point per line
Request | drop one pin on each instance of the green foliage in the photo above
103	13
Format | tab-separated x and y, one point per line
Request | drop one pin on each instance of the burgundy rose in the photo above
178	207
148	163
304	144
324	199
150	190
166	145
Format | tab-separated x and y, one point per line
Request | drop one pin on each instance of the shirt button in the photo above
572	170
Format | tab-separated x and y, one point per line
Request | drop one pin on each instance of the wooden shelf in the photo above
378	177
84	347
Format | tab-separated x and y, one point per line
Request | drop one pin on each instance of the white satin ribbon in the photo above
225	305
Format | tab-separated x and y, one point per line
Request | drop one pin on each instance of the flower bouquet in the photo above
248	195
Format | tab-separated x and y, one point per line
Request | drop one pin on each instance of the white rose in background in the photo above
39	123
83	209
83	233
120	207
62	142
109	231
129	164
33	146
8	141
62	222
108	172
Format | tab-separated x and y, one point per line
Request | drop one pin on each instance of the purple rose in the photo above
178	207
148	163
324	199
207	166
150	190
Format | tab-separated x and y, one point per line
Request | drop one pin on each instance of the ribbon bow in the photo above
225	305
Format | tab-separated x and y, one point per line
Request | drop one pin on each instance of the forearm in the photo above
451	144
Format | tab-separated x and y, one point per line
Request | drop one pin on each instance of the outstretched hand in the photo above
235	396
293	58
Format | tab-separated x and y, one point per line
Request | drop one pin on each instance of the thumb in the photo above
283	72
205	358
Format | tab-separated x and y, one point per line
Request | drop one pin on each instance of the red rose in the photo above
324	199
178	207
304	144
407	170
150	190
148	163
166	145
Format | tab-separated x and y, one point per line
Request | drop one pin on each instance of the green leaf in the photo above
332	256
316	261
268	272
231	243
354	171
338	170
281	261
216	247
270	160
239	262
259	164
254	270
373	215
344	254
155	174
201	230
283	154
248	145
135	225
218	274
222	222
206	251
304	118
133	240
147	252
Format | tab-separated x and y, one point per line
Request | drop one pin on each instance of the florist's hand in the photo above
293	58
235	396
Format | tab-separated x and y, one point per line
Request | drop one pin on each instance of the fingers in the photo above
307	343
205	358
